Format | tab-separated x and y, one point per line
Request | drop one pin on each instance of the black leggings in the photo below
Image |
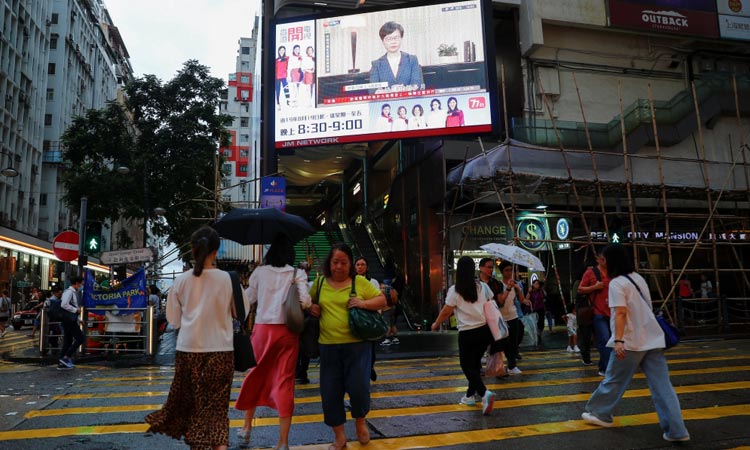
471	346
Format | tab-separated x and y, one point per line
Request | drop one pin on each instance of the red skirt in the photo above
271	382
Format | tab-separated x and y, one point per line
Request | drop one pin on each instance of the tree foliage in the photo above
168	135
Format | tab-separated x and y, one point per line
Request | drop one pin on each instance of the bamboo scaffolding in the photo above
626	164
512	183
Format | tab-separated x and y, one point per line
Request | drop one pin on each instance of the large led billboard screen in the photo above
390	74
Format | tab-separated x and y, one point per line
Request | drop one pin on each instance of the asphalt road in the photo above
415	405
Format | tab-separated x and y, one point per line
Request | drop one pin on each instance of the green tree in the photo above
168	135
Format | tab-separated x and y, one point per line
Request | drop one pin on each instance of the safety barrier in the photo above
133	333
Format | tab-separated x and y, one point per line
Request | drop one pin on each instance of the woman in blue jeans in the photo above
638	342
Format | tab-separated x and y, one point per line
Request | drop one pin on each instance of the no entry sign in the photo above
65	246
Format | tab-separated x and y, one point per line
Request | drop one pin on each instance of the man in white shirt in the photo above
73	336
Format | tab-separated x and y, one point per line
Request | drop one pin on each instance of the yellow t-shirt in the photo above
334	316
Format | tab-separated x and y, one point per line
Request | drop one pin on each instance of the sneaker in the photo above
680	439
576	349
61	366
468	401
593	420
588	363
515	371
569	349
488	401
395	341
386	342
477	398
5	331
302	380
66	362
518	357
601	374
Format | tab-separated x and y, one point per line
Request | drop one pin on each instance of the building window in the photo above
227	153
227	169
223	106
42	199
46	145
244	121
245	50
50	95
48	120
245	94
243	168
244	138
225	183
244	79
227	198
53	42
55	18
51	68
244	153
245	65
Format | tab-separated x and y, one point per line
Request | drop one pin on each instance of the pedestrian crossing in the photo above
16	341
415	405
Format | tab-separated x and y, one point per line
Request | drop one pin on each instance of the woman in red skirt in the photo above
271	382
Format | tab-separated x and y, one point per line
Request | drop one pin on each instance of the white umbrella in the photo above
514	254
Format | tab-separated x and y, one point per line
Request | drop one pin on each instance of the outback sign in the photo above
695	18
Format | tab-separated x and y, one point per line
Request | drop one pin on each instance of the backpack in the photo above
4	304
55	309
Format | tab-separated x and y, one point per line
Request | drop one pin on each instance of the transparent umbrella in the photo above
514	254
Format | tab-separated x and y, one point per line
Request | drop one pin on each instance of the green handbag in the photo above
365	324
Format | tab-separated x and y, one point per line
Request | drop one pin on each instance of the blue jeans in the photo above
618	376
602	331
345	368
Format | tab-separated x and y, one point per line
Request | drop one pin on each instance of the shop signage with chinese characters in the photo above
686	17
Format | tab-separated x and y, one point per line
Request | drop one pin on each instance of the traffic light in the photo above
93	244
616	235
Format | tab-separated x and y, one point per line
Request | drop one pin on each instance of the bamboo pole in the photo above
512	183
706	181
626	163
665	209
741	132
597	182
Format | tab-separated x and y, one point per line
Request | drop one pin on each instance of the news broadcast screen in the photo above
394	74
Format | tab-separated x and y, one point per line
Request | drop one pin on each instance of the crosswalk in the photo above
15	341
415	405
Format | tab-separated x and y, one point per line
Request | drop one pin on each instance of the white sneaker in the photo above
601	374
395	341
468	401
576	349
488	401
386	342
681	439
592	419
569	350
515	371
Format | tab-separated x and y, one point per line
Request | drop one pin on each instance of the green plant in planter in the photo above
447	50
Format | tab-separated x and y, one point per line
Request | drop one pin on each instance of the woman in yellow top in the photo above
345	360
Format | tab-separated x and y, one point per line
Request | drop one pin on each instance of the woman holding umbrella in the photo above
345	360
271	382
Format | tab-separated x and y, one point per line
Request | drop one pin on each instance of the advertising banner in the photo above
273	193
399	73
734	27
733	7
131	293
694	18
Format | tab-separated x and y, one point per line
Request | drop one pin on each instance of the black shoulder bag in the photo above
365	324
244	358
308	339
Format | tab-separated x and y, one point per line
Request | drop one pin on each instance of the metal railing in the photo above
99	335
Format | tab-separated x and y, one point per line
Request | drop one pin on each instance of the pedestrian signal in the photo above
92	244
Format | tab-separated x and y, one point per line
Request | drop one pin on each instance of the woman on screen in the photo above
399	69
401	123
295	75
282	66
385	121
417	118
308	76
436	119
455	117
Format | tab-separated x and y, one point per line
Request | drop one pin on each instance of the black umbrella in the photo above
260	226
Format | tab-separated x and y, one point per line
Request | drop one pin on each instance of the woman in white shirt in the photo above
271	382
417	120
467	298
638	342
200	305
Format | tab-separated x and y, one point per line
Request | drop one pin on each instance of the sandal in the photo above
336	446
244	436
